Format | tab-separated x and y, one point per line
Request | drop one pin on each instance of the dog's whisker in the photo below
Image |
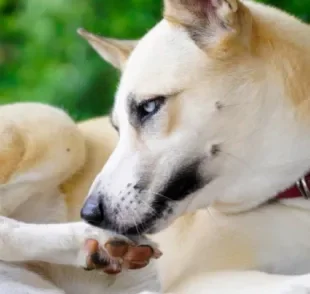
212	217
148	206
133	216
158	194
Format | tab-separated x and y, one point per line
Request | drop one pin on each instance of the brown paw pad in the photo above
99	259
133	256
117	255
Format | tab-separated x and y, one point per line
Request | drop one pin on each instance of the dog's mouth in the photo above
165	206
164	212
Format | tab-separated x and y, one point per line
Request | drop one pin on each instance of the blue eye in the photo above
147	109
150	107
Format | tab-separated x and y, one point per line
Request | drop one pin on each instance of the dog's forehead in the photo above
164	62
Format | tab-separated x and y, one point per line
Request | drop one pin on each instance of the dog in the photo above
211	113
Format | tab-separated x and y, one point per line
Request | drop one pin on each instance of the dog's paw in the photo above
110	253
118	253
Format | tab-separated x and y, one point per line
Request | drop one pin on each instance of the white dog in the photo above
212	112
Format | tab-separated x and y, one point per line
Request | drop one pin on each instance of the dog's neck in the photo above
280	156
293	191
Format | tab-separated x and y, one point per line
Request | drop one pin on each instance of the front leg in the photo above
77	244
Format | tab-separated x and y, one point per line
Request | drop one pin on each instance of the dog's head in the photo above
189	110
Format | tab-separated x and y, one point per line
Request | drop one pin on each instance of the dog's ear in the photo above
210	21
114	51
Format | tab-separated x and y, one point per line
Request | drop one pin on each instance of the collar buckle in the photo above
303	188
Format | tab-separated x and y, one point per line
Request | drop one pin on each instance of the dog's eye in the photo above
150	107
147	109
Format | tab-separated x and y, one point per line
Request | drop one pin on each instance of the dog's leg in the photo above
33	159
76	244
19	280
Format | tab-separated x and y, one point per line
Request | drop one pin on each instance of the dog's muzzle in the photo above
128	217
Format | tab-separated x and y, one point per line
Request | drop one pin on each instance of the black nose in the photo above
92	212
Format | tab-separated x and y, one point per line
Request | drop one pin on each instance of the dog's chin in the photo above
134	232
157	228
150	225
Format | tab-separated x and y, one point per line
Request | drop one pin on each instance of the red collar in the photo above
301	189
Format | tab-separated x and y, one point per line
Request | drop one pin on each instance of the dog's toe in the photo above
118	254
99	259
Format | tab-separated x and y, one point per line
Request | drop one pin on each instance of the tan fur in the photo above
26	149
173	20
283	54
100	139
116	51
174	109
227	43
33	147
12	152
210	244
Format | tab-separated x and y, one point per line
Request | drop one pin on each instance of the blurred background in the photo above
43	59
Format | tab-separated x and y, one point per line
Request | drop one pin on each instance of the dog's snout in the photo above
92	212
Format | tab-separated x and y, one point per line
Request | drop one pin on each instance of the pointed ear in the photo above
115	52
209	20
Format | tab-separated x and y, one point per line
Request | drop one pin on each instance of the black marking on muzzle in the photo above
179	186
183	183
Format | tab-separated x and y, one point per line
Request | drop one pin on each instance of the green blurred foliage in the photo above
43	59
